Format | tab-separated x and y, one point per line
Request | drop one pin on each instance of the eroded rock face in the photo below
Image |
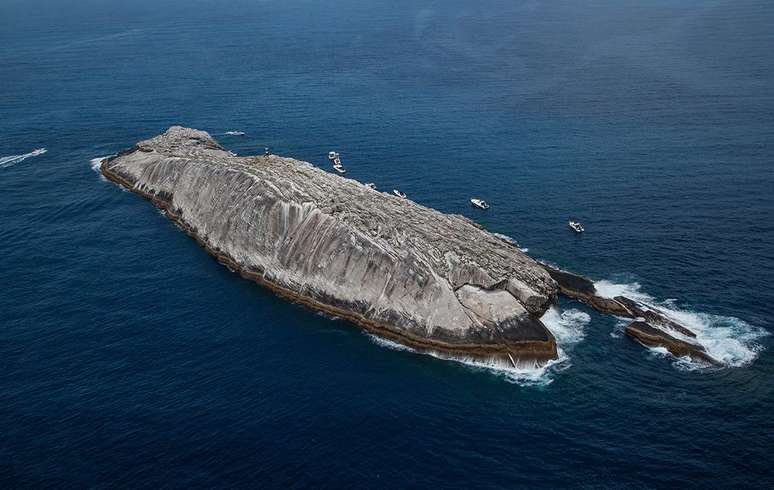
406	272
499	311
654	337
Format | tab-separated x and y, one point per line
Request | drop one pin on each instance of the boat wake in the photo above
568	327
12	160
730	340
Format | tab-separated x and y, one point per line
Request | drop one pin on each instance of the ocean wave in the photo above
568	327
510	240
12	160
506	238
730	340
95	164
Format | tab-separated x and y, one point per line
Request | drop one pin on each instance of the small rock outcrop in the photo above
654	337
429	280
582	289
652	316
649	325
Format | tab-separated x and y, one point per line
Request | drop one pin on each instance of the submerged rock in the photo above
654	337
414	275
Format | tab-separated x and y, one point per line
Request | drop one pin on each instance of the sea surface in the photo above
130	358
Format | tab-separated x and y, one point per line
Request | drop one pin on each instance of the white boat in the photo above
371	185
576	226
479	203
399	193
339	169
335	158
234	133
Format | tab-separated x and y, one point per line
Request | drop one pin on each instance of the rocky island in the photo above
432	281
429	280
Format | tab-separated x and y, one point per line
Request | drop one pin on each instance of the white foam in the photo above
525	374
730	340
511	241
568	328
14	159
327	315
389	343
95	164
609	289
506	238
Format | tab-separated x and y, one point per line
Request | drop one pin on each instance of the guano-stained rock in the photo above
405	272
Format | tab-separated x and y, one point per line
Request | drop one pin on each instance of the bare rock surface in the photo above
412	274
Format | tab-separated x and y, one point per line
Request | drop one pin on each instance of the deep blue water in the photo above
130	358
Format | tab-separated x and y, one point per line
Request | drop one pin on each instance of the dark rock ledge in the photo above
650	327
654	337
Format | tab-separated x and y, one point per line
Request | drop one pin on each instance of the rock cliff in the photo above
429	280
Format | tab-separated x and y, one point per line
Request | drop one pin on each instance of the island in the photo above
413	275
431	281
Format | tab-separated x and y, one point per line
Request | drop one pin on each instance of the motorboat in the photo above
399	193
234	133
371	186
340	169
335	158
479	203
576	226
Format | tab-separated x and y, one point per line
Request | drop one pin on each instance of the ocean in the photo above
130	358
